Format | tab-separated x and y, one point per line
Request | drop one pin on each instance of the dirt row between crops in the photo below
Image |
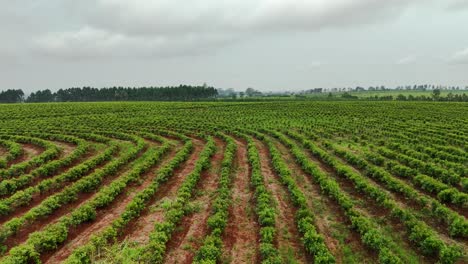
369	208
38	224
330	219
410	205
462	211
287	235
80	235
39	197
90	153
140	228
241	237
193	227
29	151
3	151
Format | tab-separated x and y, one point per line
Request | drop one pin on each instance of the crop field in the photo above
263	182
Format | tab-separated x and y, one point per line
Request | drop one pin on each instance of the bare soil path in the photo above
344	242
193	228
141	227
288	237
80	236
241	237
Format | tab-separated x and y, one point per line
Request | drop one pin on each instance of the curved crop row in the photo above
154	251
14	151
370	235
211	249
133	210
419	233
55	234
305	220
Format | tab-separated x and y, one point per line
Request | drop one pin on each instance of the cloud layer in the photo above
173	27
460	57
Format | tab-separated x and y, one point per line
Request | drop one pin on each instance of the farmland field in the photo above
264	182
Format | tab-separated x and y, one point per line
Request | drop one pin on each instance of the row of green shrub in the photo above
457	224
70	193
211	250
418	231
313	242
446	176
10	186
24	197
97	242
155	250
51	152
452	167
53	235
265	207
370	235
14	151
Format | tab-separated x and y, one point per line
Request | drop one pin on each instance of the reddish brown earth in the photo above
411	205
3	151
369	208
39	197
330	220
287	235
186	241
29	151
32	150
66	148
140	228
22	235
241	237
80	236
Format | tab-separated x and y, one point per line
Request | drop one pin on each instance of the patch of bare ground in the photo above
368	207
80	235
37	198
32	150
193	228
418	189
241	237
288	237
410	205
29	151
66	148
140	228
22	235
330	219
3	151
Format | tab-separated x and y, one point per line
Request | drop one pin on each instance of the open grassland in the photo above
264	182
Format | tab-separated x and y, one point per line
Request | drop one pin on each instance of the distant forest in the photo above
91	94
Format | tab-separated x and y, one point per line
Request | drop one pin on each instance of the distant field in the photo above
234	182
390	93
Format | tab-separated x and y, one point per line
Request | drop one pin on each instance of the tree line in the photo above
91	94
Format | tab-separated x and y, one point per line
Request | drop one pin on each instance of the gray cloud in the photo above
406	60
169	28
460	57
269	44
457	4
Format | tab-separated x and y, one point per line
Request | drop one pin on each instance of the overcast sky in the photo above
270	45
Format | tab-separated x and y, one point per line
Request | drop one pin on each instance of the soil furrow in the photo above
142	226
188	238
344	242
80	235
22	235
241	237
288	237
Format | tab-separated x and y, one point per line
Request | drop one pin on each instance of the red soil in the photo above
288	237
185	242
241	237
80	235
140	228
